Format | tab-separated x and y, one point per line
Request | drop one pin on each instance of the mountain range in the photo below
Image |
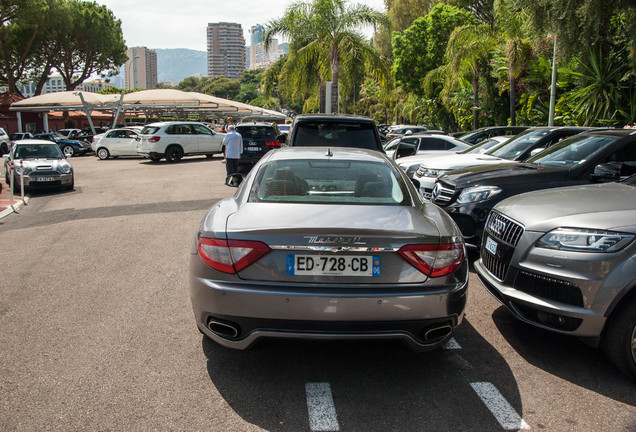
175	64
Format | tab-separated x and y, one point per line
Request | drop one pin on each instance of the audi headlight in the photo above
477	193
585	240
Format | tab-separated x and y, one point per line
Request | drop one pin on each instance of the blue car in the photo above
69	147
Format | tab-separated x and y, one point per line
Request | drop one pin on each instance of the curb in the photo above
13	209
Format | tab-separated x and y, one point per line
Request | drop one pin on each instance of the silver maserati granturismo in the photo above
327	243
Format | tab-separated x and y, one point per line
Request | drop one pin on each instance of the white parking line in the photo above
499	406
322	412
451	344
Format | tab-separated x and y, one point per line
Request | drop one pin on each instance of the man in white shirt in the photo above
233	143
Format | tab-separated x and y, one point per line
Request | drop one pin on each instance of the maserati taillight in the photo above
434	260
230	256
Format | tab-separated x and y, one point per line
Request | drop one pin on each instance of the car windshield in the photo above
38	151
519	144
481	147
329	182
572	151
630	180
335	134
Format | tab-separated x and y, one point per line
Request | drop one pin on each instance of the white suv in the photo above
175	139
4	142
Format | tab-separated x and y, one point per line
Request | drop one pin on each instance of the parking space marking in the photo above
499	406
451	344
322	412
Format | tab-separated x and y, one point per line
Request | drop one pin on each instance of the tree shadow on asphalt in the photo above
376	386
566	357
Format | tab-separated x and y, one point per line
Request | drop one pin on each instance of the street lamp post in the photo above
132	81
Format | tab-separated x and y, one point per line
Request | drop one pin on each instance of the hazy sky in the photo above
182	24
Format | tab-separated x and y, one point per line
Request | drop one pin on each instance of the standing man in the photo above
233	143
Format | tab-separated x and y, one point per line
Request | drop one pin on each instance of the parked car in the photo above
484	133
116	142
70	133
517	148
86	135
312	130
564	260
5	145
17	136
173	140
468	194
401	130
284	128
258	139
411	145
411	164
283	259
69	147
40	163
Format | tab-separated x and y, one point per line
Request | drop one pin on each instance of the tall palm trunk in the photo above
475	99
335	72
513	97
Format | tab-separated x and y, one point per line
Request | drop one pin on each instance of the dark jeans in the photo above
231	165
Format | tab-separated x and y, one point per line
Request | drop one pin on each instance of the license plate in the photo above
332	265
44	179
491	246
253	149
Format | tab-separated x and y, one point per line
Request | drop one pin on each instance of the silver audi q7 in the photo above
565	260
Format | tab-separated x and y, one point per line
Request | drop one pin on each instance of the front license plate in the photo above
44	179
325	265
253	149
491	246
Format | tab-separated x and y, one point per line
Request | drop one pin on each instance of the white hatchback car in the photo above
116	142
174	140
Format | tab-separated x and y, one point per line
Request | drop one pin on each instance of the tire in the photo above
619	341
103	153
174	153
4	149
68	151
209	156
72	185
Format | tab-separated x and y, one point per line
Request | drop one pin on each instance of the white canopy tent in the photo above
160	102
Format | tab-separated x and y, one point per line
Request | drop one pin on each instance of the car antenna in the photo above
329	153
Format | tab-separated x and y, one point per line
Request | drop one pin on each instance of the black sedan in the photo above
68	147
468	194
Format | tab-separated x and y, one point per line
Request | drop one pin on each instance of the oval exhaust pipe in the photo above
437	333
223	329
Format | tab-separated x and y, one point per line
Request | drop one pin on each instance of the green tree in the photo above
22	27
222	87
421	48
88	40
322	34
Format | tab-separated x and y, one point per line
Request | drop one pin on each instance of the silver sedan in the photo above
327	243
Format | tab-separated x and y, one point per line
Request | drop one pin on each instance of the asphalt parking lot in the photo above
98	334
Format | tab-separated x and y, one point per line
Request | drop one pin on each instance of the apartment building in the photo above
141	68
226	49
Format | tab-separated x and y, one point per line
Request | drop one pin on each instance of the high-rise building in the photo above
259	56
141	68
226	50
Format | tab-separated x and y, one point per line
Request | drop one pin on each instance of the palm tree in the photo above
322	34
468	49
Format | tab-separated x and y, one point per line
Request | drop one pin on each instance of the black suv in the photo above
468	194
258	139
315	130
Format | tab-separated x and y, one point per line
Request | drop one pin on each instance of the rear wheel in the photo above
4	149
619	342
174	153
102	153
68	151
